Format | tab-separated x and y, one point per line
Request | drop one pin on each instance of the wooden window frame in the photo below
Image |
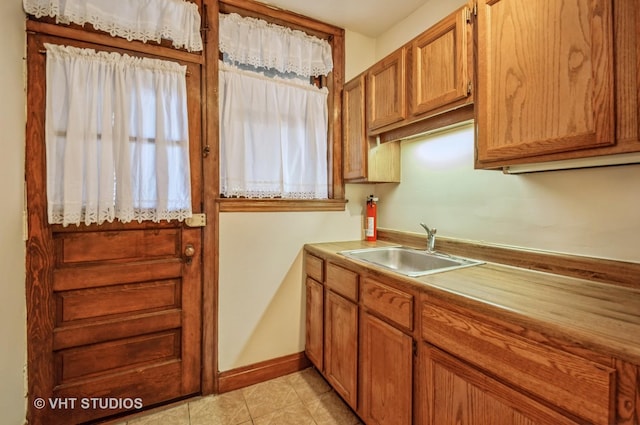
334	82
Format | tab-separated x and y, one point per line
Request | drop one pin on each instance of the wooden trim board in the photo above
263	371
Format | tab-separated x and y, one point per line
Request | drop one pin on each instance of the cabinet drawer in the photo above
342	281
313	267
388	302
577	385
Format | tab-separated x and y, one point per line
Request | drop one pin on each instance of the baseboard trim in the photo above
263	371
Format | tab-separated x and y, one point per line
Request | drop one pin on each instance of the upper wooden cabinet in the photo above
386	91
545	78
354	130
365	160
441	61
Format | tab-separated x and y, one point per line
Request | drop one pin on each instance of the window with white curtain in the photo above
273	121
117	142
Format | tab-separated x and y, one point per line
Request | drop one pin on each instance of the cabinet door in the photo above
439	65
315	319
454	393
341	346
545	77
354	129
386	102
387	371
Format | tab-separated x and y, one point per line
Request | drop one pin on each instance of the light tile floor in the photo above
301	398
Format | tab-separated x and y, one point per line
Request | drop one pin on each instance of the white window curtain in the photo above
264	45
273	136
176	20
116	138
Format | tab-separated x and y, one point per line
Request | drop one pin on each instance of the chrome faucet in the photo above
431	238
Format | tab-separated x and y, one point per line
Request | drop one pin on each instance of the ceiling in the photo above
367	17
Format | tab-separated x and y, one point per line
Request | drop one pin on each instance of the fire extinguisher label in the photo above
369	231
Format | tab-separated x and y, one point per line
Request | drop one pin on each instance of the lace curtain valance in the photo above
261	44
175	20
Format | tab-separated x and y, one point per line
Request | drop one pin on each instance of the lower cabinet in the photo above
314	336
386	370
399	356
455	393
341	346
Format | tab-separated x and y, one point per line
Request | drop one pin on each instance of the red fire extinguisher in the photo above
371	228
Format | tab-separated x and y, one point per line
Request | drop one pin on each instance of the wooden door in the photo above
114	310
386	358
341	346
386	101
545	77
458	394
440	63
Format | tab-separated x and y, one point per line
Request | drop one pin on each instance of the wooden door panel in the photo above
147	385
107	341
111	274
95	359
114	310
127	245
107	301
113	328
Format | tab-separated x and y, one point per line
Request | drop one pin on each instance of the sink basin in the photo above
409	261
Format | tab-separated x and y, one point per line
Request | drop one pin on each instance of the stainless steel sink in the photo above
409	261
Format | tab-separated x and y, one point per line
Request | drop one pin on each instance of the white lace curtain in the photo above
264	45
273	136
116	138
176	20
273	129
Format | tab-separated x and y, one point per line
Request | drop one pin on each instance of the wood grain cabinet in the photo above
341	332
364	159
386	355
545	79
458	394
580	387
314	335
441	64
386	91
401	354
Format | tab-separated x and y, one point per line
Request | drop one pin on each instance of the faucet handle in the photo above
429	231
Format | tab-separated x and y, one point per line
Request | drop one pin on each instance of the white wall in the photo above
12	254
428	14
593	212
261	289
360	53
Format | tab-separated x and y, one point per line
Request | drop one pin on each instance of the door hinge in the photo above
467	14
469	87
196	220
415	348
